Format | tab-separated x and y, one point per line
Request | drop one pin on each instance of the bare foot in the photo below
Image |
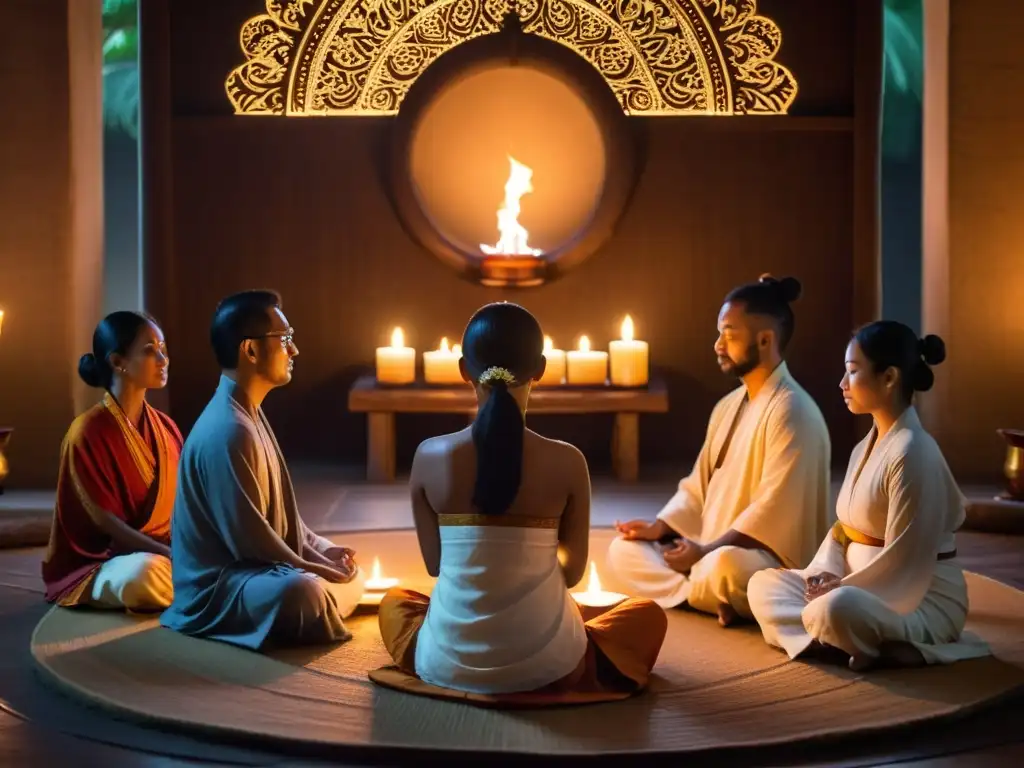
897	654
862	663
891	655
726	615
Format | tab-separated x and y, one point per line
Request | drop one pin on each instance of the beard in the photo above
740	368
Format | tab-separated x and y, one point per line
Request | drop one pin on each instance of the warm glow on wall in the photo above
311	57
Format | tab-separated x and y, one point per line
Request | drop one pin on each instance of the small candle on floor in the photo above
586	367
396	364
594	596
628	358
376	586
376	582
554	373
441	365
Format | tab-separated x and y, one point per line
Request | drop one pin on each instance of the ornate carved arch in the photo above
659	57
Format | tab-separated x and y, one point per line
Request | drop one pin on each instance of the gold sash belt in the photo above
498	521
844	534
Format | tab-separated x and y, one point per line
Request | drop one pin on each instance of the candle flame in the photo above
512	236
444	344
397	338
594	582
549	345
627	329
584	344
1	320
457	350
375	573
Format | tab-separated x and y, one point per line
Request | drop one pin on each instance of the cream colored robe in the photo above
900	492
773	485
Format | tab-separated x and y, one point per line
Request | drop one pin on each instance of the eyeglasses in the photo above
287	337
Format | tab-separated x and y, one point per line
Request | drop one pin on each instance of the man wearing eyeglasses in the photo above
247	570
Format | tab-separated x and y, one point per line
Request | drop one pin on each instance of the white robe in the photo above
500	619
772	485
901	492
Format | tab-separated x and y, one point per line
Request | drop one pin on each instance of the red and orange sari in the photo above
107	465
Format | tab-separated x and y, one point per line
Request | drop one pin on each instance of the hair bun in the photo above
932	349
788	288
89	370
922	378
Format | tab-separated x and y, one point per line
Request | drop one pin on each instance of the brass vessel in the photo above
5	436
1013	467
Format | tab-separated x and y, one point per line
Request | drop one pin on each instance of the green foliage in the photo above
121	65
903	77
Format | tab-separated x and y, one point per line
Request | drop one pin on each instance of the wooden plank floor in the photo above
38	727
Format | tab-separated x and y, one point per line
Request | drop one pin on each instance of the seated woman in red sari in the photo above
110	541
503	520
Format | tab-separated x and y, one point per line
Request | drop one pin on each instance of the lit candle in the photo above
376	586
628	358
441	365
376	582
554	373
585	366
1	321
396	364
594	596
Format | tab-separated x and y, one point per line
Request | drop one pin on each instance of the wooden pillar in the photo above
85	78
867	133
156	212
935	202
51	242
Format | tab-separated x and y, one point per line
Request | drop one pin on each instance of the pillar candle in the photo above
554	373
628	358
441	365
585	366
396	364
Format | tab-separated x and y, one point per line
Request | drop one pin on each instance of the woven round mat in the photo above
712	687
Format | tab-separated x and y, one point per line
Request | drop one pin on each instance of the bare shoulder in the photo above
438	449
557	453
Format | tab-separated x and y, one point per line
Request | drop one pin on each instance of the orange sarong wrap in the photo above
107	466
623	645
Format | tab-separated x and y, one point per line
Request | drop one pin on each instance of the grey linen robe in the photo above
237	537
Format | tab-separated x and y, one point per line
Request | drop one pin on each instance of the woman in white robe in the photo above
885	587
503	519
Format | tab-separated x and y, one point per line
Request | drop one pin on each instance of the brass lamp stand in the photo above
1013	467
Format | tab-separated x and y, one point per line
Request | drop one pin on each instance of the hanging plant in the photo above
903	77
121	66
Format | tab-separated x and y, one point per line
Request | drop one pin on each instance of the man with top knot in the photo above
757	496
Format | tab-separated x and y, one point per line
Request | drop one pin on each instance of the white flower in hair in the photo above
495	374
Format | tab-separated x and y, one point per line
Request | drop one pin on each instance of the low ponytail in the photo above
498	437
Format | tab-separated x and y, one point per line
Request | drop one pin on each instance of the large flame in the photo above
512	236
